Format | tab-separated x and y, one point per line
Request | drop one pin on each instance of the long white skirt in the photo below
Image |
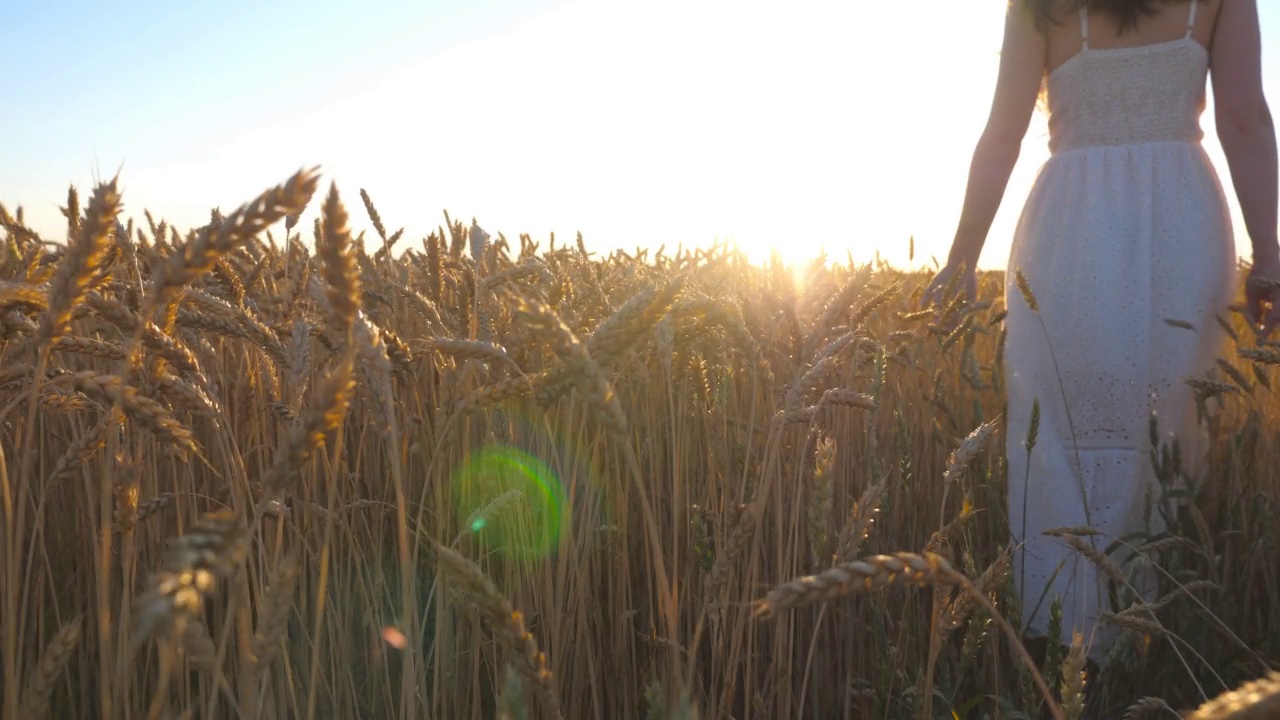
1113	241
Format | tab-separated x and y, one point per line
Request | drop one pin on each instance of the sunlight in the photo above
824	125
681	123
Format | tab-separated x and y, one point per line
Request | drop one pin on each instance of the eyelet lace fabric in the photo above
1126	227
1124	96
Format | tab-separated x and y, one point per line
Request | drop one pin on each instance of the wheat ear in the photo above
1255	700
862	516
882	571
505	622
743	528
338	266
19	295
141	409
1149	707
199	254
967	450
869	573
39	689
325	409
820	501
274	611
587	375
192	566
1073	679
84	256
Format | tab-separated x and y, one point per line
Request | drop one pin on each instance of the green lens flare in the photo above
511	501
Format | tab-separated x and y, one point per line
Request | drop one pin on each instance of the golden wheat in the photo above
688	377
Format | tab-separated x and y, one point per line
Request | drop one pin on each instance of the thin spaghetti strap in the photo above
1084	26
1191	17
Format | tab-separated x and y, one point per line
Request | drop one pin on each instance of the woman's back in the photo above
1064	38
1107	88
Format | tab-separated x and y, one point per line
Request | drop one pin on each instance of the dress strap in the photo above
1084	26
1191	17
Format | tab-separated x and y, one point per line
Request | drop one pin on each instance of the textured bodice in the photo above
1126	96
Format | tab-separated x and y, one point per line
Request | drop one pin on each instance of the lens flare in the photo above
511	501
395	638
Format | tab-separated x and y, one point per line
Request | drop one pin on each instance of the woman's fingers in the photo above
938	286
927	297
1253	295
1261	295
933	292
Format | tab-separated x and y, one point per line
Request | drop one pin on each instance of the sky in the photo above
804	126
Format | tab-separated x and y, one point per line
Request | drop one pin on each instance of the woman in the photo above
1126	227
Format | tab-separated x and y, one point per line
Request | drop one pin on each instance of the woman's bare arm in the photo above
1245	127
1022	67
1248	137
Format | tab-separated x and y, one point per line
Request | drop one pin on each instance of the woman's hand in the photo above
966	283
1262	293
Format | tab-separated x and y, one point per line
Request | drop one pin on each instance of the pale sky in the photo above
800	125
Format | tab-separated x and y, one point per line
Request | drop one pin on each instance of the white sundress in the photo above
1126	226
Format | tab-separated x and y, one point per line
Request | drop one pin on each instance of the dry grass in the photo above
248	475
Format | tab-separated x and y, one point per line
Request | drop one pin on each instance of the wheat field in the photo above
259	470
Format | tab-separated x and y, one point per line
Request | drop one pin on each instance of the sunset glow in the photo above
844	126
